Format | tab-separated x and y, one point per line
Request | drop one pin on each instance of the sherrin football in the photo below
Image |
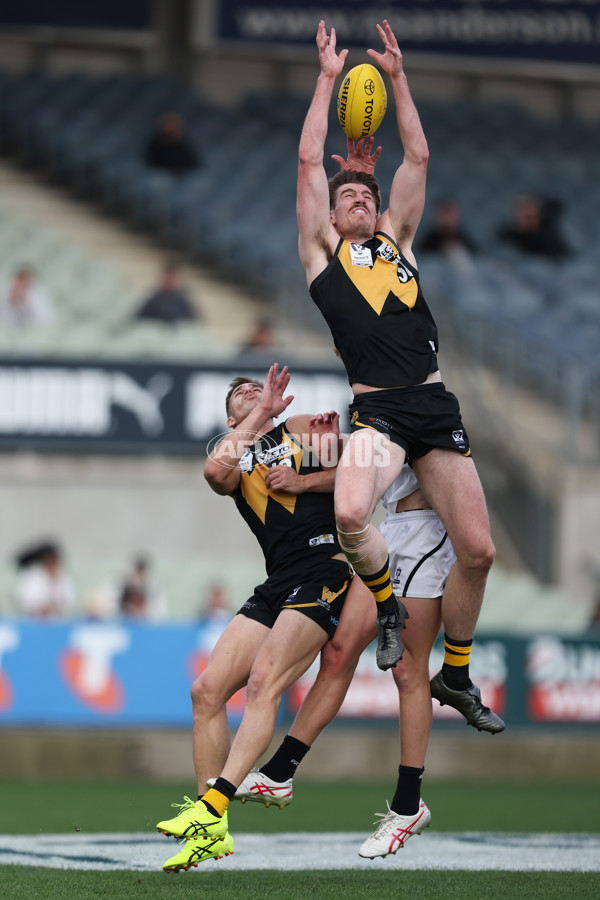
362	101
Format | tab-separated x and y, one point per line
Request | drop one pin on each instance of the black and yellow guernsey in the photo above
295	531
371	298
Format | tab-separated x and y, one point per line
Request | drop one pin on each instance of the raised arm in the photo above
407	195
317	237
222	469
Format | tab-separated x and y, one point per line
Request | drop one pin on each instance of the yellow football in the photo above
362	101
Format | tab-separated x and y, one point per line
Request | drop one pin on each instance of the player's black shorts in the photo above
320	597
417	418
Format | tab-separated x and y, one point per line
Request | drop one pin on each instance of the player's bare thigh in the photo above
292	645
453	488
232	657
369	464
357	626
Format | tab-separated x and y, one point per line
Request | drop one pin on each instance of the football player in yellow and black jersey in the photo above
275	476
363	276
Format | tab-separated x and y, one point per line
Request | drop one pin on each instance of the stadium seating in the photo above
237	212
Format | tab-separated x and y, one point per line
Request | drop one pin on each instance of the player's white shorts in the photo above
421	554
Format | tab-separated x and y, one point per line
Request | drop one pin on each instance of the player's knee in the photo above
352	536
206	695
202	695
479	556
409	676
338	661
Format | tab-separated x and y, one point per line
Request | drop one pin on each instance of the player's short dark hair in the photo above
349	176
241	379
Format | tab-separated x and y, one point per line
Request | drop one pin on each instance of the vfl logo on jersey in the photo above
459	438
87	666
396	578
246	462
360	256
322	539
293	594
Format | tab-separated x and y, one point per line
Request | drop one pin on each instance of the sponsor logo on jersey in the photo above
381	422
354	417
321	539
386	251
327	597
273	454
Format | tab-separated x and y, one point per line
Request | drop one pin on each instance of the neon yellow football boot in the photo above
194	821
197	850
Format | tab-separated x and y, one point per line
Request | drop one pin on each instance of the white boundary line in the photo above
475	851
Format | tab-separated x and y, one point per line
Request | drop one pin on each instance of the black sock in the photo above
455	670
286	759
408	791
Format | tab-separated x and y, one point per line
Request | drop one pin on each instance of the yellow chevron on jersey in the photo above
371	298
252	484
378	281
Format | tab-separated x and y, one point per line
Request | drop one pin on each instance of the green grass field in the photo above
66	807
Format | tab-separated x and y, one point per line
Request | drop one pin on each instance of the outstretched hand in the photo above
360	158
272	399
391	60
331	63
325	423
325	435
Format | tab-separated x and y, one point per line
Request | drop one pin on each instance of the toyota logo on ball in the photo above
369	86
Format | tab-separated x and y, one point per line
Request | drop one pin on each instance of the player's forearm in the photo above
411	131
314	131
319	482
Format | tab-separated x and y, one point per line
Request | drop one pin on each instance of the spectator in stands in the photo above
169	302
43	588
447	236
137	597
169	149
215	614
25	301
261	337
535	227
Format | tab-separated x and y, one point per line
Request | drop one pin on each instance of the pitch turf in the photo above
30	807
546	806
30	883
